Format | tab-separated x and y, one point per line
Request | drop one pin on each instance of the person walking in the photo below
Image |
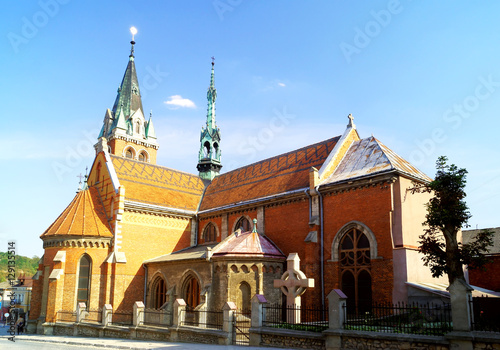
20	325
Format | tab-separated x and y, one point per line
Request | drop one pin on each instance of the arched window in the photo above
143	157
138	127
159	293
208	152
244	297
83	290
244	224
210	233
354	262
191	292
129	153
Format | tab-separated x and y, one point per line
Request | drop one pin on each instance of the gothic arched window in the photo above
138	127
159	293
243	224
210	233
244	297
143	157
354	262
191	292
84	273
129	153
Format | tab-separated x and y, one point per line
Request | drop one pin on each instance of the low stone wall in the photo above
287	338
373	340
64	329
152	333
200	335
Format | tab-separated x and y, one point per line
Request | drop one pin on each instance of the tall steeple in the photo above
209	164
125	128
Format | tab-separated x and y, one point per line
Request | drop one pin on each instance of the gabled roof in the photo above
157	185
84	216
283	173
191	253
368	157
246	245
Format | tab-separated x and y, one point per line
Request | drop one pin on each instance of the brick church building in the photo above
139	231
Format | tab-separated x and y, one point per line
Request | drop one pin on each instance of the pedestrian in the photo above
20	325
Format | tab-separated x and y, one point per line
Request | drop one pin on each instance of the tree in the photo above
447	213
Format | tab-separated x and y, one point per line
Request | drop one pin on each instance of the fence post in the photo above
461	337
179	312
138	313
107	312
257	318
227	326
336	318
81	311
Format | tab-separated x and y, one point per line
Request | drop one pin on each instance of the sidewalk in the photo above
114	343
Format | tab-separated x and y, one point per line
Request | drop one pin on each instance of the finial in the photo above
80	183
351	121
213	61
151	114
254	226
133	30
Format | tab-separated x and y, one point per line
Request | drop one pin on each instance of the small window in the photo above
129	154
210	233
243	224
160	293
143	157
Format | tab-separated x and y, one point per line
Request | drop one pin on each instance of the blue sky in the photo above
424	78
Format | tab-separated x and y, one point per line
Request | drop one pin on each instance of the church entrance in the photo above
356	281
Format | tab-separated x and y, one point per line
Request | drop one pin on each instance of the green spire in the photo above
209	155
150	130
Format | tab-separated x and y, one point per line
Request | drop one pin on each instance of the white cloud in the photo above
282	84
176	101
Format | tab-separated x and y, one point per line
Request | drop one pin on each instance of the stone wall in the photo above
297	341
396	342
193	335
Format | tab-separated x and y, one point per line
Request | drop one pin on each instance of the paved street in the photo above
41	342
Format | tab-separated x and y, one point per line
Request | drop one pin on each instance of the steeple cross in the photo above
213	60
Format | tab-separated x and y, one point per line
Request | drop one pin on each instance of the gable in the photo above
283	173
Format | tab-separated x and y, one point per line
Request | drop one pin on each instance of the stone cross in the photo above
293	284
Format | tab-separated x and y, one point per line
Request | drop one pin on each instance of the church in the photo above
139	231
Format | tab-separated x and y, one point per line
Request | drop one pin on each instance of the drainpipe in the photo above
310	204
322	264
145	282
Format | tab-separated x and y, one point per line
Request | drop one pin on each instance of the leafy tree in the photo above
447	213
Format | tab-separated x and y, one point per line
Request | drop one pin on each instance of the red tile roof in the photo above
84	216
283	173
153	184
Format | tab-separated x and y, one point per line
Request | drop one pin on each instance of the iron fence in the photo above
295	317
93	316
122	318
203	318
485	314
426	319
242	320
66	316
156	317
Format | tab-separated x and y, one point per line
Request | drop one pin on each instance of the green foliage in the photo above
447	213
24	265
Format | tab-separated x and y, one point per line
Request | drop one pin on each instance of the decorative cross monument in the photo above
293	284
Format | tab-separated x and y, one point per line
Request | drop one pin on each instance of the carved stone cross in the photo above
293	284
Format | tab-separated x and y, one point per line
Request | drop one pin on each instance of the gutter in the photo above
145	282
322	263
310	204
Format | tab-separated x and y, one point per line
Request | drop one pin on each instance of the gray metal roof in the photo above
370	156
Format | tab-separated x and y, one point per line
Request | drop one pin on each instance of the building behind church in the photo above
138	231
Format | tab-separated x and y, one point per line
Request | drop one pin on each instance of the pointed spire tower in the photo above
125	131
209	164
